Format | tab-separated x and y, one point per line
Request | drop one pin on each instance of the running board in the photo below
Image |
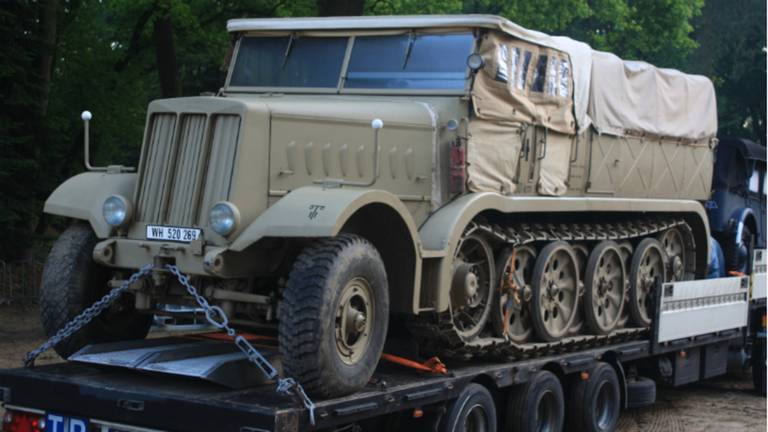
219	362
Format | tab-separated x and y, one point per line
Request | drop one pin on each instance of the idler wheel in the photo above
472	287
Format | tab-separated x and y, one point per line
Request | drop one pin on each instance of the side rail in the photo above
700	309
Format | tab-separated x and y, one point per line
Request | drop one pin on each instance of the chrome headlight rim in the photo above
112	208
227	210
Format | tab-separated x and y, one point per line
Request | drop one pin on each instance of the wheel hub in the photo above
354	319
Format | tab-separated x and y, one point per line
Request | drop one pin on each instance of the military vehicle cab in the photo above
477	186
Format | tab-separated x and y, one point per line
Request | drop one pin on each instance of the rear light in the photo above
16	421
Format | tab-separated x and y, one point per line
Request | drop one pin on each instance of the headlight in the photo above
224	218
116	210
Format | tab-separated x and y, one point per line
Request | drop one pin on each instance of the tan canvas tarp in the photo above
630	97
553	171
493	150
523	82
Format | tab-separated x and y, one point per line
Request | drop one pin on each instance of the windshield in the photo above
409	61
289	62
406	61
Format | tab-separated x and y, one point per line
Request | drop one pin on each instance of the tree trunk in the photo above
340	7
48	41
165	53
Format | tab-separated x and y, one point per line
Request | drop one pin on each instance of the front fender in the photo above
313	211
82	196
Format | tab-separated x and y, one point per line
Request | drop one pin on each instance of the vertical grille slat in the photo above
201	151
160	143
191	145
226	129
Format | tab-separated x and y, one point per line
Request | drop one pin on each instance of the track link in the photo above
438	333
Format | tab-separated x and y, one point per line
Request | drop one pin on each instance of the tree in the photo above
732	53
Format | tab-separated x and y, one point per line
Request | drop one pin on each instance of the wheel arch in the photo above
386	229
378	216
81	197
441	232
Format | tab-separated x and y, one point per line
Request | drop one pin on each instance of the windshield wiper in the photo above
411	40
288	50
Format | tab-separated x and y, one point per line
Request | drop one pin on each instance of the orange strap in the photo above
250	337
433	365
736	273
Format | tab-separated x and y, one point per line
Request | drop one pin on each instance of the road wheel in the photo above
582	255
511	312
537	405
334	316
473	286
594	403
604	283
648	264
71	282
758	366
555	291
472	411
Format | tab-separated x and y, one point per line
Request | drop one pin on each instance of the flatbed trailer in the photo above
119	399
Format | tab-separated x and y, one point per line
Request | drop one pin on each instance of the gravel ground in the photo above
722	404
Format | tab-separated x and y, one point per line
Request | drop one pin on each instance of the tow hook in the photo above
159	272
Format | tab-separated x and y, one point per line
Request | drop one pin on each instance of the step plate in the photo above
219	362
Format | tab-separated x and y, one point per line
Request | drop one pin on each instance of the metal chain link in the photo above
214	314
86	316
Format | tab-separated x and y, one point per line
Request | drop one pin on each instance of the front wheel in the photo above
334	316
71	282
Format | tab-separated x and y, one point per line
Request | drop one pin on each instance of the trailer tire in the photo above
758	366
473	410
641	392
332	278
542	394
72	281
594	403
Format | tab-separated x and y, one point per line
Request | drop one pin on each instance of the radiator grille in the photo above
187	167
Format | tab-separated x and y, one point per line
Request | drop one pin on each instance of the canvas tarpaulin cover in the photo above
633	97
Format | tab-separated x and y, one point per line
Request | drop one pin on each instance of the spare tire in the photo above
641	392
71	282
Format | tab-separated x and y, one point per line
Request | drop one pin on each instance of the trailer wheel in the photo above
473	410
71	282
758	366
594	403
334	315
537	405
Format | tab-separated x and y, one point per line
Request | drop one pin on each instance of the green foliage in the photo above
105	61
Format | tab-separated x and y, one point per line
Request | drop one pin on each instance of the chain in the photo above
216	316
86	316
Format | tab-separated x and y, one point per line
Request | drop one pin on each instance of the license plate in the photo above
174	234
60	423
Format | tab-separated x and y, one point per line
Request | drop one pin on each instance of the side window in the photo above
502	62
539	74
522	76
754	181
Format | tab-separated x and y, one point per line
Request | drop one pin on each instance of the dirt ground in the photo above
723	404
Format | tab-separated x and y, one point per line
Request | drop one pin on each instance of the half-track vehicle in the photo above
483	189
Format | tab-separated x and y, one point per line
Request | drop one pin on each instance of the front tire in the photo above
71	282
334	316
